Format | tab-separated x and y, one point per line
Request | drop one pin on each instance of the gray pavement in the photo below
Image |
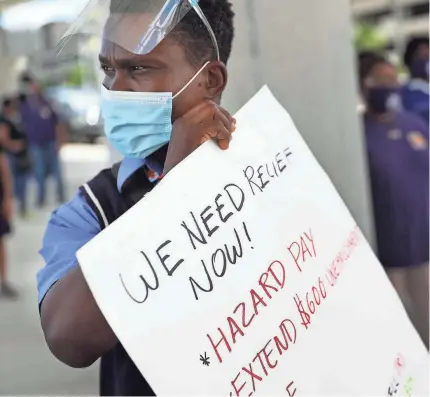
26	365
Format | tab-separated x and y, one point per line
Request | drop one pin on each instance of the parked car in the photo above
80	109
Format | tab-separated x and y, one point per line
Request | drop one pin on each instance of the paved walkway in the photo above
26	365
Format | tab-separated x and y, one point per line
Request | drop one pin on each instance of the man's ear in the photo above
216	79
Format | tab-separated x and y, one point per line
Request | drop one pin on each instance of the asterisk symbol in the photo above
205	359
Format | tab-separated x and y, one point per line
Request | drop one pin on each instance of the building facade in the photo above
397	20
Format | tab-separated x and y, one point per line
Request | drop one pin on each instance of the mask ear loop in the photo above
191	81
195	5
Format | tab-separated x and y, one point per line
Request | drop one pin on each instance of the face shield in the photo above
137	26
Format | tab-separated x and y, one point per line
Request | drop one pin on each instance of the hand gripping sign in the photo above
243	273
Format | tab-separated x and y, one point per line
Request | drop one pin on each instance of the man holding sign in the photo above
242	273
164	64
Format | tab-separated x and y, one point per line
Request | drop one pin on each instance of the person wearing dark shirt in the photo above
165	71
416	90
15	143
397	147
45	134
6	211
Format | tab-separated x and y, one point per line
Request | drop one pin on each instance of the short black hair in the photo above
192	32
367	60
7	102
26	78
198	42
412	47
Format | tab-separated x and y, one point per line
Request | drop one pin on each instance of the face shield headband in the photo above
137	26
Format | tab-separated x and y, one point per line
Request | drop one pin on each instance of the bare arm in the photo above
75	329
62	134
6	178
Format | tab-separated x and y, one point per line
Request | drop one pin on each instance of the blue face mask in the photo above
139	123
384	99
420	68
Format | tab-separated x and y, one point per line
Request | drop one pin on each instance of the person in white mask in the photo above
165	72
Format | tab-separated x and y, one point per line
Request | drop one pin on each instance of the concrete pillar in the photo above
303	51
12	63
11	68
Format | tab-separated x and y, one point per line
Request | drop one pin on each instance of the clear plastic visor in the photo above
137	26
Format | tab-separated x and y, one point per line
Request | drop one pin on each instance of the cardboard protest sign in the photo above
243	273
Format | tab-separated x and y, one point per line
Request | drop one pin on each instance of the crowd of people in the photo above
30	136
396	128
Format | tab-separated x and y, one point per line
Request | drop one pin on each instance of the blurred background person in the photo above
6	211
416	91
45	134
15	144
397	146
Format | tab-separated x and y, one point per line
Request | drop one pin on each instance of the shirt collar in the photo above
129	166
419	85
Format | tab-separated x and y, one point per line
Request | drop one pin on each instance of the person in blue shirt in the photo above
161	94
416	90
45	133
397	146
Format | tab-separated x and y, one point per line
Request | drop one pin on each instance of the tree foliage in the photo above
367	37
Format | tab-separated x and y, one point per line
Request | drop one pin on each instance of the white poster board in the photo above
259	281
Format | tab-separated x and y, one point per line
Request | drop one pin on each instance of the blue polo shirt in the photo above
398	152
74	224
416	98
39	120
